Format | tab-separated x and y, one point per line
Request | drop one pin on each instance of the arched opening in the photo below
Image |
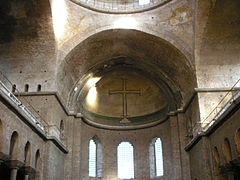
37	160
14	87
125	157
227	151
237	141
26	88
92	159
156	158
37	165
95	159
217	163
39	88
13	151
135	50
4	169
27	154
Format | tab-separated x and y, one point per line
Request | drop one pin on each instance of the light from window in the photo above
158	157
125	161
144	2
92	158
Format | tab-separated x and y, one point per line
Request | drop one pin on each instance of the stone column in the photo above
13	175
14	165
26	176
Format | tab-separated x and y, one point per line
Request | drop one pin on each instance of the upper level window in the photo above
92	158
156	158
144	2
95	158
125	160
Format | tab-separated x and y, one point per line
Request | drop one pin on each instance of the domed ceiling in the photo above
123	97
120	6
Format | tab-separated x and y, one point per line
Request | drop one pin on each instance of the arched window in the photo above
26	87
156	158
95	158
125	160
227	151
37	165
14	87
27	154
237	141
92	158
37	160
13	145
217	164
216	157
39	87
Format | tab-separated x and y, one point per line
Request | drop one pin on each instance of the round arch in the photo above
142	49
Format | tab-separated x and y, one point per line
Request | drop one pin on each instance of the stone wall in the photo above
141	140
203	155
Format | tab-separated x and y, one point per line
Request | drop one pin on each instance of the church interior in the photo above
120	89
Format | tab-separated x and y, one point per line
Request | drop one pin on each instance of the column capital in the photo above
28	170
14	164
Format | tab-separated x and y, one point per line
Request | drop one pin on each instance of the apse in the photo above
125	79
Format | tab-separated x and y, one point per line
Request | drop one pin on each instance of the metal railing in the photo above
22	103
220	108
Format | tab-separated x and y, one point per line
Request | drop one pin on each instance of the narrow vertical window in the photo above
156	158
39	87
125	160
14	87
92	158
26	88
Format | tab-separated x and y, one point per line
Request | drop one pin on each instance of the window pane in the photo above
92	158
143	2
158	157
125	161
